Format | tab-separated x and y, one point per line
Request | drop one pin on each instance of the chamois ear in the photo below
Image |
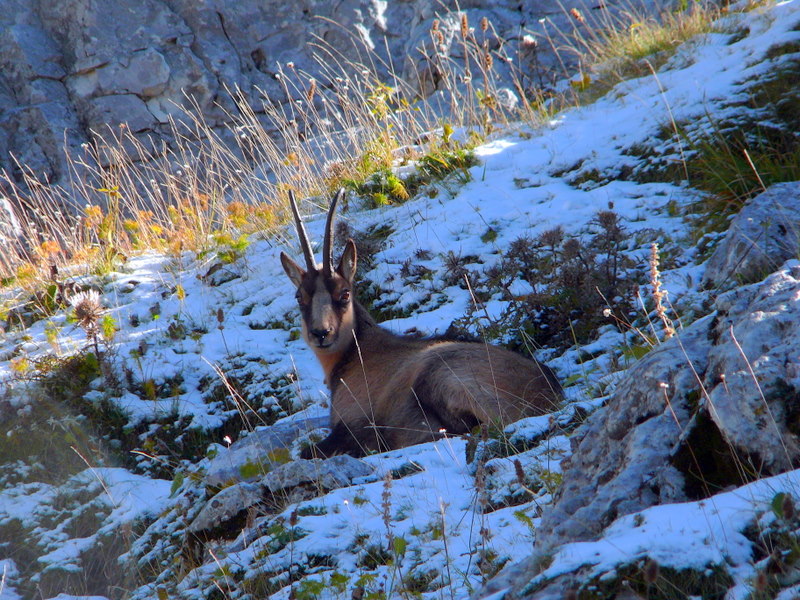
348	262
293	270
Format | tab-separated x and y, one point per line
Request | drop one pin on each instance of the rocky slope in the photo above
157	460
75	71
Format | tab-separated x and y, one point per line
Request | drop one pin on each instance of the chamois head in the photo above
324	293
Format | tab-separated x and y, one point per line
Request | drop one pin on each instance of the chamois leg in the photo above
412	422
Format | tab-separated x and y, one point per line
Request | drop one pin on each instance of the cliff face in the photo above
72	69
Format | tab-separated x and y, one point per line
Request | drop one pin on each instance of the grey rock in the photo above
28	53
764	234
145	74
753	375
10	229
109	112
225	506
255	449
286	484
327	474
620	462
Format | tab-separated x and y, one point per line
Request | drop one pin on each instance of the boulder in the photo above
328	474
760	238
226	512
264	448
714	407
226	506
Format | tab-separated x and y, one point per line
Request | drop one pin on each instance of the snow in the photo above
520	188
685	535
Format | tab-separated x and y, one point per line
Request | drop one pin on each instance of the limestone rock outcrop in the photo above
711	408
73	70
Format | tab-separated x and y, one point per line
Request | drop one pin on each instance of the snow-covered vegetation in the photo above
145	417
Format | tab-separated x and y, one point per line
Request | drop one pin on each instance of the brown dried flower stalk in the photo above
658	295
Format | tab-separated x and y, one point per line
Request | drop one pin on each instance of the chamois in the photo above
389	391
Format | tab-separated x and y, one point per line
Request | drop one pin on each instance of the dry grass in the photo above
614	47
131	192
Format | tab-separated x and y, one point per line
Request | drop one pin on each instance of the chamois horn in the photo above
327	244
301	233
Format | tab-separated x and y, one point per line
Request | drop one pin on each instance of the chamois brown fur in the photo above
390	391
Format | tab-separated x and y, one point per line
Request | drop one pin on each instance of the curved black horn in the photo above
327	244
301	233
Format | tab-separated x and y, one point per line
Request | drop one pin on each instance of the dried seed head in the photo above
576	14
519	472
761	583
312	89
386	499
484	24
488	61
435	25
88	309
464	25
650	572
529	42
787	506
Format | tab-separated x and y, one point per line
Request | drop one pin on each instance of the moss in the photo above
662	583
374	556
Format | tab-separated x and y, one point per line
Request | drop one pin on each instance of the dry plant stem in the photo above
483	499
386	508
442	514
755	170
222	570
761	394
238	400
672	121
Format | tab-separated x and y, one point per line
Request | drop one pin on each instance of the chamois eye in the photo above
300	296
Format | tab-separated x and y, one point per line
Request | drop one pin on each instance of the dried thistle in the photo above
529	43
87	309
